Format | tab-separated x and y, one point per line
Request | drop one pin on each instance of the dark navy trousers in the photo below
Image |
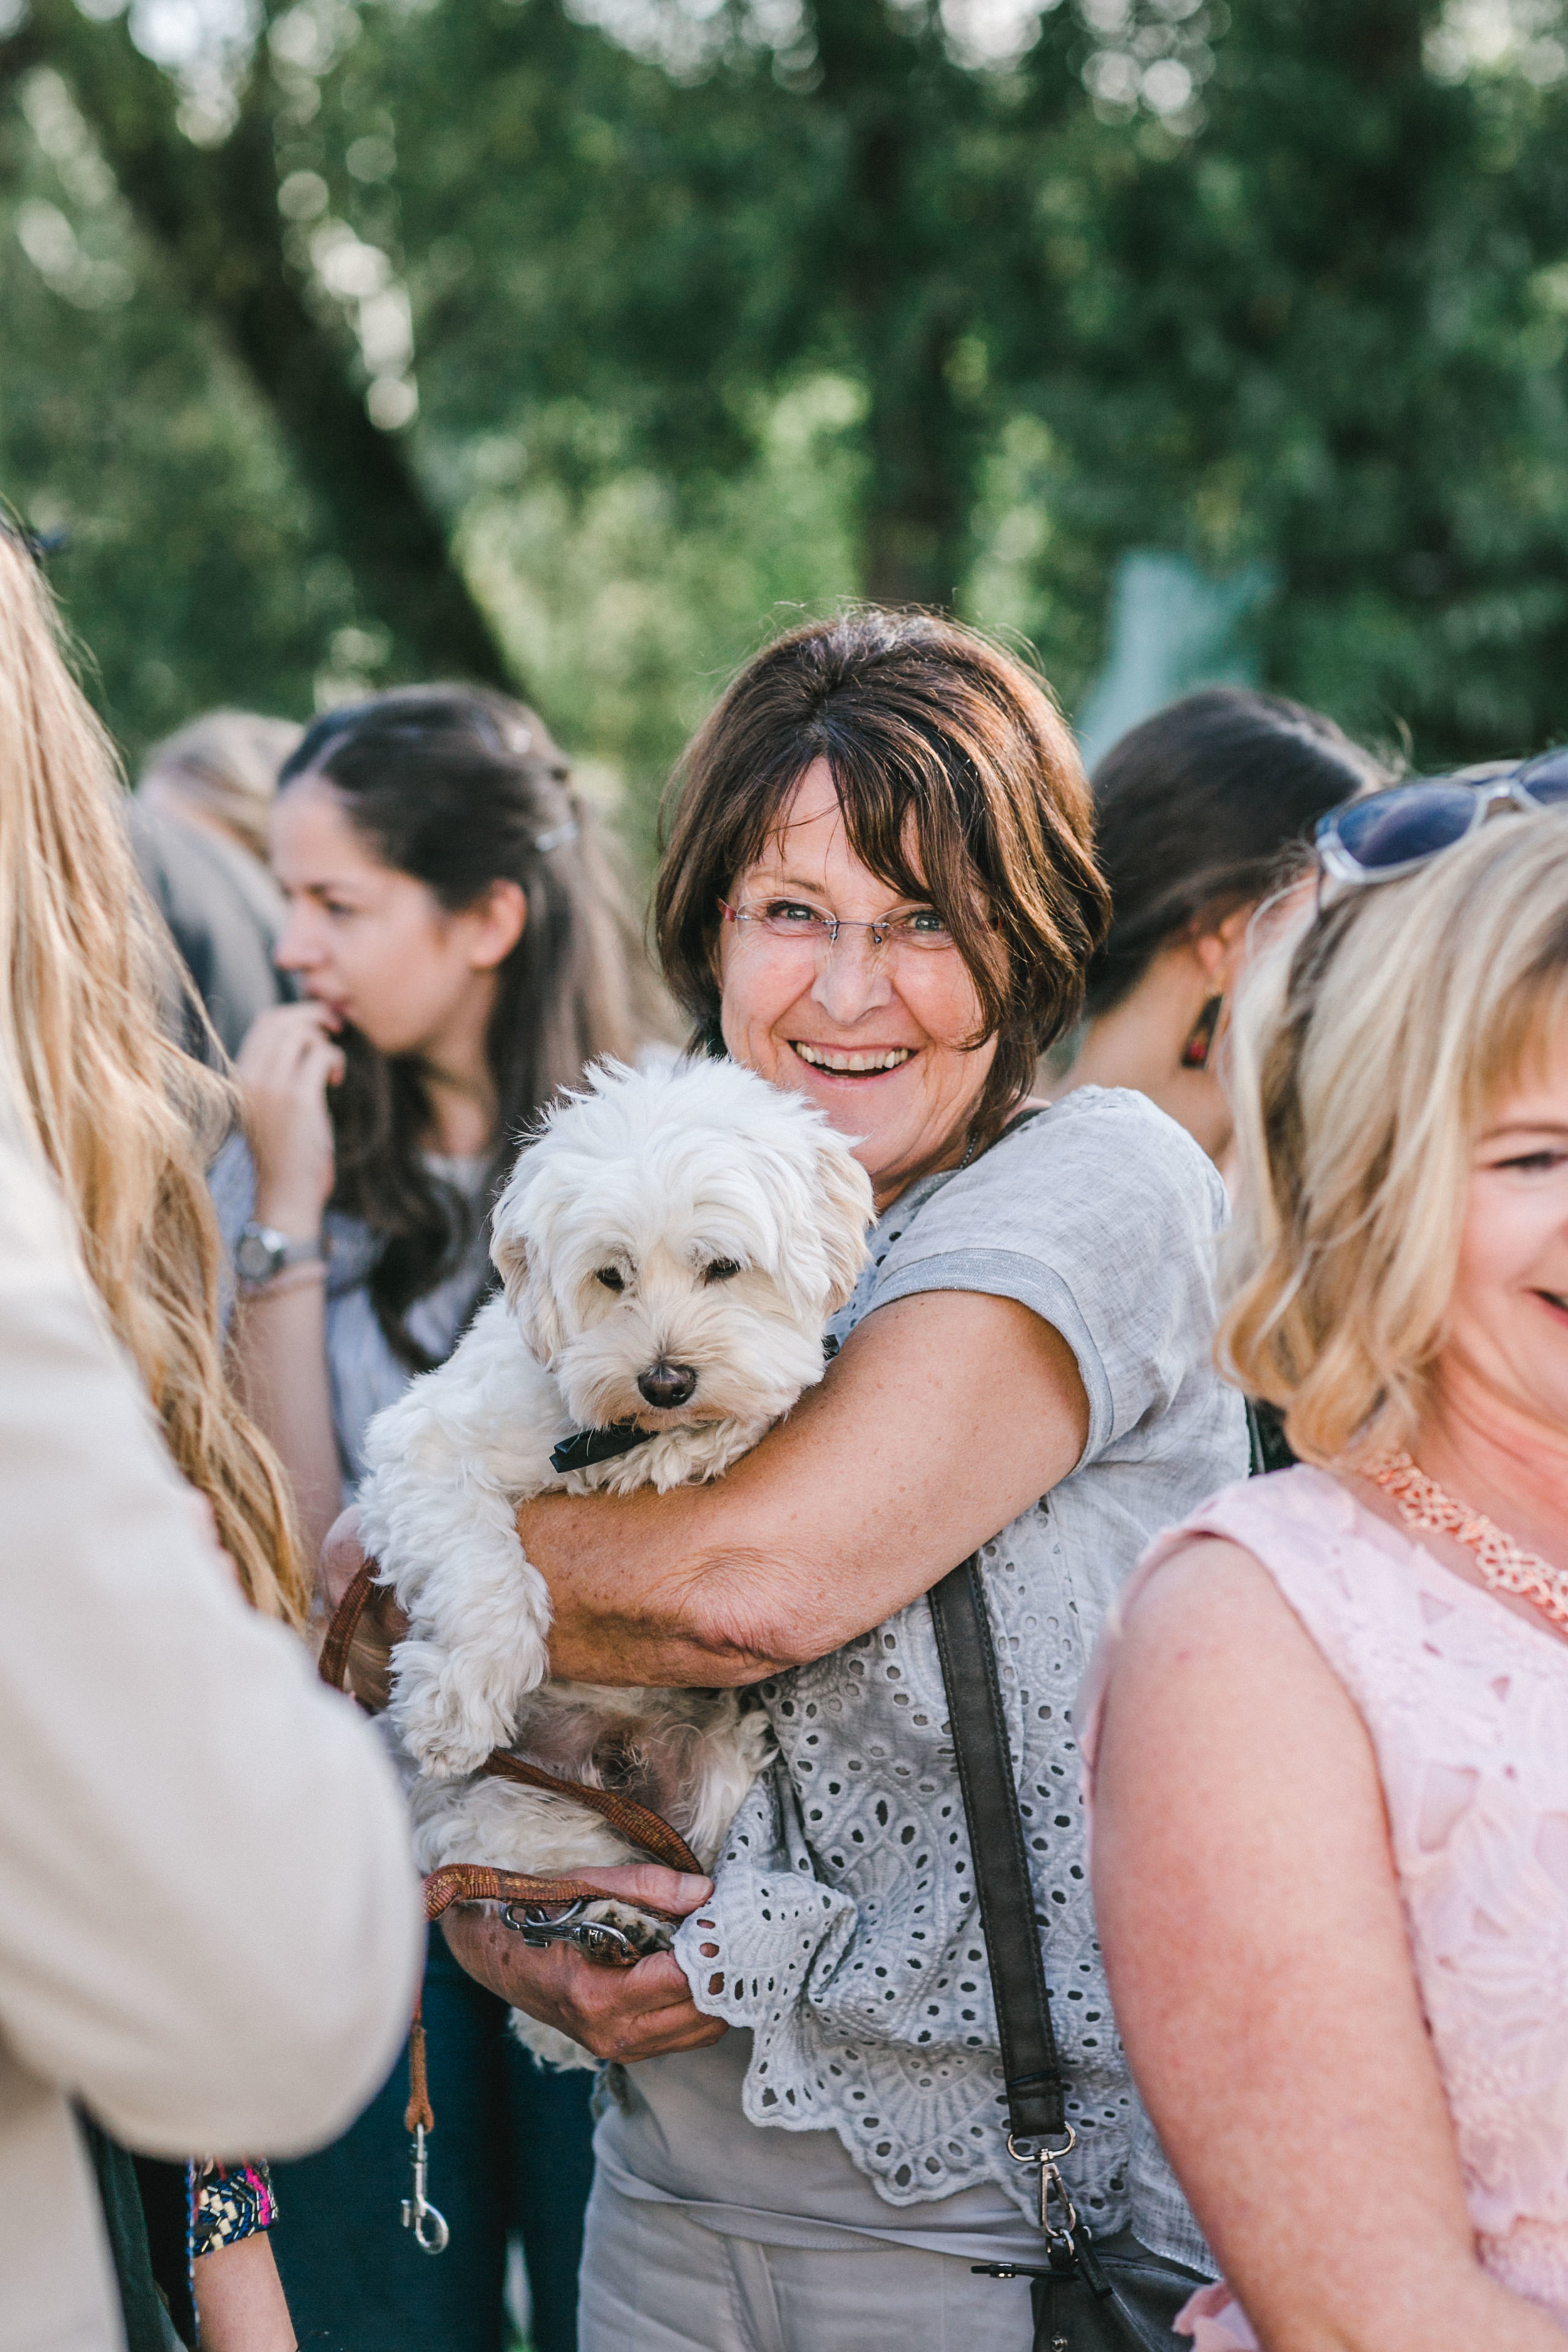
511	2153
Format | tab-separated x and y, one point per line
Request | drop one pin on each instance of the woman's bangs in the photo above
1528	1032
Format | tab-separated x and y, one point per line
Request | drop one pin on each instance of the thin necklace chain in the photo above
1505	1566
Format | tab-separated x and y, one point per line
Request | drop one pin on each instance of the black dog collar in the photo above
586	1446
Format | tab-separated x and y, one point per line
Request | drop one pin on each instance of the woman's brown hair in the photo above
961	788
120	1116
463	787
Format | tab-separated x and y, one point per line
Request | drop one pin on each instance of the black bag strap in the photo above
1004	1896
1031	2064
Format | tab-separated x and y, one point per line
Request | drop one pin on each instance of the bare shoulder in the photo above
1213	1593
1208	1638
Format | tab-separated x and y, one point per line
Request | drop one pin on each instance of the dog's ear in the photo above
848	1210
520	1260
530	1297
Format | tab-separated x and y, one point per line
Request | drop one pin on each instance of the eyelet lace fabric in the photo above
844	1913
843	1930
1466	1704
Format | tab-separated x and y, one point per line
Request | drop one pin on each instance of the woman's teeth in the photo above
823	1057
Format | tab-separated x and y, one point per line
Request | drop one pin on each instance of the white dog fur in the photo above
695	1218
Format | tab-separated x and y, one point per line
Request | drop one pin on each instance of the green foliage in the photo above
711	317
194	574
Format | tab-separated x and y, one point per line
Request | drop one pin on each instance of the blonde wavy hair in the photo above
123	1119
1365	1054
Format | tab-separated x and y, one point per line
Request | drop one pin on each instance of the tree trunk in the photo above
214	215
904	302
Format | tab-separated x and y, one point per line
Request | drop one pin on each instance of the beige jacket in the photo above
209	1927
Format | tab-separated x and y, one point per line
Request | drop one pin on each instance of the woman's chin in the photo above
879	1104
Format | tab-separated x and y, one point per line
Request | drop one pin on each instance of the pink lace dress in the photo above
1467	1706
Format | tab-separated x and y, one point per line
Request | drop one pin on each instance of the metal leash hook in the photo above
427	2224
608	1946
1048	2159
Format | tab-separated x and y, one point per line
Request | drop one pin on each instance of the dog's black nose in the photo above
668	1384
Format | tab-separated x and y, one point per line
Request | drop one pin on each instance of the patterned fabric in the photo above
1464	1703
228	2202
843	1909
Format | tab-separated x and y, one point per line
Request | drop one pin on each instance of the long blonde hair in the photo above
1366	1053
124	1120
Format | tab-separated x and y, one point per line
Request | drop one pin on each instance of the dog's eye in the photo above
611	1278
723	1269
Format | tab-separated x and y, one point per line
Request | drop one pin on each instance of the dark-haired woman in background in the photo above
463	952
1200	813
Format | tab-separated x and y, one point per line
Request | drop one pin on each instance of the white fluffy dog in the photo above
671	1246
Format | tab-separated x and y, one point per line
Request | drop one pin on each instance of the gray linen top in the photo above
843	1907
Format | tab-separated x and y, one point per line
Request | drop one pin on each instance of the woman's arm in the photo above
240	2305
278	1343
946	1415
1263	1981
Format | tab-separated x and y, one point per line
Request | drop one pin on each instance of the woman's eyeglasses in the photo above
807	927
1385	834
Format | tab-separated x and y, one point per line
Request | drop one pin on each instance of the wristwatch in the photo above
261	1254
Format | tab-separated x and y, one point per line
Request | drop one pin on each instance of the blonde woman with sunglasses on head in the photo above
208	1925
1327	1731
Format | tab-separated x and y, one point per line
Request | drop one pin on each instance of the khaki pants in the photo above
656	2281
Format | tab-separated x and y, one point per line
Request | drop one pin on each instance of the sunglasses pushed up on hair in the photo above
1385	834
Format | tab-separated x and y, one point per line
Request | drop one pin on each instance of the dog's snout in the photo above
667	1385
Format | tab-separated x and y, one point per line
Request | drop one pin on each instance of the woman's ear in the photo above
1217	946
497	919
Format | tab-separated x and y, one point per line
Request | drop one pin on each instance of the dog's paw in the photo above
645	1934
447	1730
548	2046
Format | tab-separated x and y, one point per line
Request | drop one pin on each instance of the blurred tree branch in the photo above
213	213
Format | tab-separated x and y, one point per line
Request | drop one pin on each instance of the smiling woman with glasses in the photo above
880	893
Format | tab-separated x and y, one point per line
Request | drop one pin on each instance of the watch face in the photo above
255	1258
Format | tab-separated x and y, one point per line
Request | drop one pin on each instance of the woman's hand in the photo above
646	2011
287	1063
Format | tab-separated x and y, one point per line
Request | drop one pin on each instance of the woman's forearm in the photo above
278	1359
945	1415
1440	2309
240	2305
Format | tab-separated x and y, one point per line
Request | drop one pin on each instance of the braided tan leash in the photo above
480	1882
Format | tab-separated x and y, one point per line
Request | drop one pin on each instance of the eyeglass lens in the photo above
1412	821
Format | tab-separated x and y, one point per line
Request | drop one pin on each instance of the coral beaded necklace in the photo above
1504	1565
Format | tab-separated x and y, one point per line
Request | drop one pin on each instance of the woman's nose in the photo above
292	950
852	975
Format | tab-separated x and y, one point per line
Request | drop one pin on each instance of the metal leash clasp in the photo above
608	1946
427	2224
1058	2237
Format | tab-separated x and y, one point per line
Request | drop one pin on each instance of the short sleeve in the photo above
1102	1215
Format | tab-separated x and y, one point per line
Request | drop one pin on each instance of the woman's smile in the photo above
881	1035
853	1062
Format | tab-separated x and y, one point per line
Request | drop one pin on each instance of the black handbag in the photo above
1109	2295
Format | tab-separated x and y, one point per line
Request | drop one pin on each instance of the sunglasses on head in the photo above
1385	834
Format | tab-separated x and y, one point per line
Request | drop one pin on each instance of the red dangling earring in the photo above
1200	1038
